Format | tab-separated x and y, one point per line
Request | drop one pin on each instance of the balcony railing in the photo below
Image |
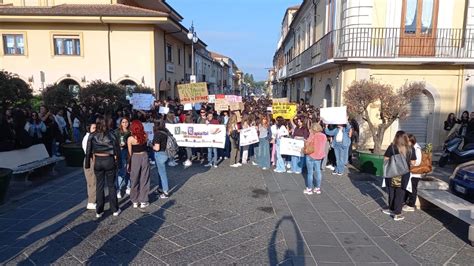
388	43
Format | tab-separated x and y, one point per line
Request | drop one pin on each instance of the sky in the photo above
245	30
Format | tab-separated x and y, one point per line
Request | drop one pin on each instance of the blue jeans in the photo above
280	164
297	164
264	153
210	158
313	166
123	179
76	134
341	153
160	159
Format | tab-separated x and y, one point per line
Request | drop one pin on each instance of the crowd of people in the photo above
463	127
119	154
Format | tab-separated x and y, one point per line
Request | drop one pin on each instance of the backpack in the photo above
171	145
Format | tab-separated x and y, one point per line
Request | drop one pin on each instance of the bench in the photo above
24	161
453	204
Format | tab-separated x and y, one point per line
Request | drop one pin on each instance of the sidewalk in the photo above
228	215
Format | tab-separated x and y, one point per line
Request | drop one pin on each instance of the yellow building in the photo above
331	43
74	42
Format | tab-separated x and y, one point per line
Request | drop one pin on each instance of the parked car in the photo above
463	183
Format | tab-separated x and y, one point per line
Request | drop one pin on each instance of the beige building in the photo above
74	42
330	43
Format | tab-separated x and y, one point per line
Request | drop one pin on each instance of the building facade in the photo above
74	42
331	43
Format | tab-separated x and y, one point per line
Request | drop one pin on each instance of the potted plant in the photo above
379	105
5	177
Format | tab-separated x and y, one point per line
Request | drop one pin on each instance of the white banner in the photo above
142	101
291	147
149	131
248	136
164	110
198	135
334	115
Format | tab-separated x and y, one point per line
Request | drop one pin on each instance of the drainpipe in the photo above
108	49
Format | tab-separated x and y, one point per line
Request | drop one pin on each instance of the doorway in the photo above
418	29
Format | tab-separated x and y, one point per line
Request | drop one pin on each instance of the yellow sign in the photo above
193	92
280	100
285	110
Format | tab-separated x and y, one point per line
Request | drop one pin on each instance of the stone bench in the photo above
453	204
27	160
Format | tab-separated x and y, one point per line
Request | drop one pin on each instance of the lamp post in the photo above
192	36
222	76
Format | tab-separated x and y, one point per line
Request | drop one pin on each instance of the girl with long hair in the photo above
396	190
103	147
138	165
313	160
301	132
160	138
233	132
281	131
36	128
123	179
263	158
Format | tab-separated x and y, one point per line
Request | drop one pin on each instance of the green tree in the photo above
13	90
103	96
57	96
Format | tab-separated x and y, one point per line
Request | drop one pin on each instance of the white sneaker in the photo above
407	208
289	172
254	163
215	165
99	215
127	191
208	165
171	163
330	167
298	173
119	195
387	211
288	165
164	196
187	163
234	165
117	212
225	158
308	191
135	205
278	171
144	205
239	164
152	163
91	206
317	190
264	168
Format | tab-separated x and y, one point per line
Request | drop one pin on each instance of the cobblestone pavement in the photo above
224	216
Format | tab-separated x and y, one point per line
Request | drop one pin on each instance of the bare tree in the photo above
392	104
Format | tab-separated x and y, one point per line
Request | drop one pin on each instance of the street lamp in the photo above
222	75
192	36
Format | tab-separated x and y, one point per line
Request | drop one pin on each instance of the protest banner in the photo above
285	110
280	100
334	115
142	101
221	105
164	110
188	107
248	136
211	98
193	92
291	147
234	106
198	135
233	98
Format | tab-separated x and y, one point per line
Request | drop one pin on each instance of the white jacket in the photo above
418	159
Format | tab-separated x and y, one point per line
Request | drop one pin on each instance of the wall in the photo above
93	64
177	75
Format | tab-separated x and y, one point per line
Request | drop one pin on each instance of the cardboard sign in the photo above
233	98
334	115
221	105
193	92
198	135
234	106
291	147
280	100
248	136
164	110
149	131
285	110
188	107
142	101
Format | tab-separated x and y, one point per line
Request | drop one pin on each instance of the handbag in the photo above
308	147
425	165
396	166
396	181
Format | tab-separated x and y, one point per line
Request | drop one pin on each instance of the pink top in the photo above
319	140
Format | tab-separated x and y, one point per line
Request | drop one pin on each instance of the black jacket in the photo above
102	143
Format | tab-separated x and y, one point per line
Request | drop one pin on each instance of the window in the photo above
169	53
67	45
13	44
179	56
419	16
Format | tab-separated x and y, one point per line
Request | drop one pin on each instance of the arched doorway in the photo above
420	117
328	96
72	85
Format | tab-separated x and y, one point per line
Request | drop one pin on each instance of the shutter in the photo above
419	113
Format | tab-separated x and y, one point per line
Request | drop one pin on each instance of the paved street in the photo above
228	215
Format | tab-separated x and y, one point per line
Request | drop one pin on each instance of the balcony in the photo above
386	44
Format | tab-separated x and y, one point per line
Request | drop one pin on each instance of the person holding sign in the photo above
233	132
211	152
341	142
264	144
299	132
313	160
279	131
